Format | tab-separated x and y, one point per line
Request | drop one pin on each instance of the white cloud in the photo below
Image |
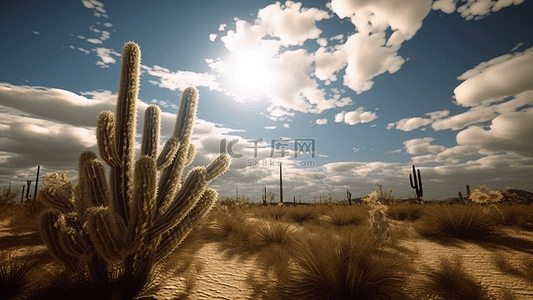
270	127
222	27
446	6
476	9
36	32
180	80
355	117
422	145
290	22
403	17
105	56
94	41
367	57
286	125
438	114
213	37
321	121
409	124
502	76
508	132
108	25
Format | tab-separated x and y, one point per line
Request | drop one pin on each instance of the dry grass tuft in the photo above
447	223
349	267
450	281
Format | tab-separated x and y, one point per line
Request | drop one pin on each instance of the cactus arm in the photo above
187	197
72	237
217	167
93	184
172	238
170	181
150	137
50	235
105	136
186	114
122	176
107	232
168	153
143	206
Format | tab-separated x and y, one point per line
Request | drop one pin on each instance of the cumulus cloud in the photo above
213	37
105	56
404	18
484	112
508	132
409	124
476	9
355	117
367	53
321	121
446	6
179	80
499	77
422	145
290	22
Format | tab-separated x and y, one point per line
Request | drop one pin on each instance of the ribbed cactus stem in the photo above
105	136
150	137
126	118
143	206
72	237
217	167
93	181
186	198
167	154
416	184
107	231
186	114
50	234
176	235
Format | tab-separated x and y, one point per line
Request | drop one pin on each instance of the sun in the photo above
250	72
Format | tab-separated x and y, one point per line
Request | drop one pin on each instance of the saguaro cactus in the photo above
417	185
133	220
280	184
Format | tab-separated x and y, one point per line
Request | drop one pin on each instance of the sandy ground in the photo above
223	277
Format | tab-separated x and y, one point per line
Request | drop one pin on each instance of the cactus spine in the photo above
133	220
417	185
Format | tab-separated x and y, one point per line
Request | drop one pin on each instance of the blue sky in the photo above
377	86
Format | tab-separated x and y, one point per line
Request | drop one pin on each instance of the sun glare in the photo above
249	72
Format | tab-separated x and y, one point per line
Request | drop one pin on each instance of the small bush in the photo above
445	222
302	214
14	274
269	233
405	212
349	267
345	216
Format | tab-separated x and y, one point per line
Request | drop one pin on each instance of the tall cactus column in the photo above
133	220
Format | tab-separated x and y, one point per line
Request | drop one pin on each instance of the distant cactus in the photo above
465	200
133	220
417	185
349	197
